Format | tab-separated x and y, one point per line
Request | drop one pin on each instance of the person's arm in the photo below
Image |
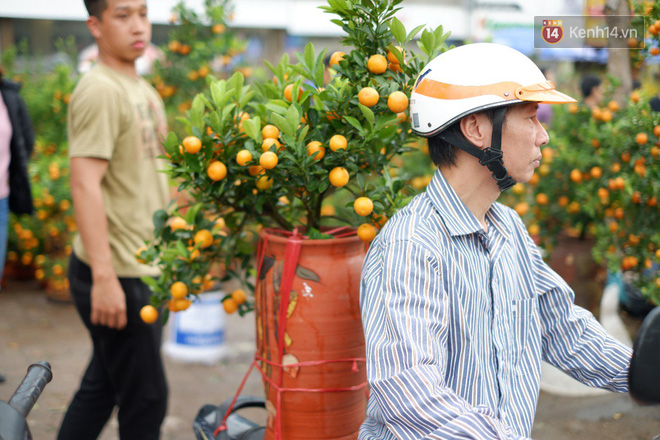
108	301
405	318
573	340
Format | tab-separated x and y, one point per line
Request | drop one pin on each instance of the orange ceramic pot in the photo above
323	334
572	260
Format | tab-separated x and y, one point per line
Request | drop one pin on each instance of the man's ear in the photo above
477	129
94	26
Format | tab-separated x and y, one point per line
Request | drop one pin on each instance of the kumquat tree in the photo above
198	46
600	179
39	244
280	153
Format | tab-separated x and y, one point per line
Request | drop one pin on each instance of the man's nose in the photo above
138	24
543	137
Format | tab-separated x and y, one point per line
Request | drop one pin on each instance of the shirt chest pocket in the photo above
526	334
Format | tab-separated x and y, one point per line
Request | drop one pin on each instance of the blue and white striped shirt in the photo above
457	321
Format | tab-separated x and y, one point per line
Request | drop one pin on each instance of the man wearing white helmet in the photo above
458	306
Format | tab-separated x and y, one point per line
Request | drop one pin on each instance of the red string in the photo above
223	424
291	255
261	249
280	389
309	363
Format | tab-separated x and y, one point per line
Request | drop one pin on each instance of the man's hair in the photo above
587	84
96	7
442	152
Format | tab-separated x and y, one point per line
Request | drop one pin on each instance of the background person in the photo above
116	123
16	144
590	86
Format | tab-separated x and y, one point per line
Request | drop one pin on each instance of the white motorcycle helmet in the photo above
472	78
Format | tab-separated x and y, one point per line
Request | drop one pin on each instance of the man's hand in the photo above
108	303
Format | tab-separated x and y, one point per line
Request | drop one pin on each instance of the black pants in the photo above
126	368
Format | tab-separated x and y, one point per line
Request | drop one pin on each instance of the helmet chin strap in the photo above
491	157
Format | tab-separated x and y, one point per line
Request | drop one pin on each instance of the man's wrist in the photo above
103	272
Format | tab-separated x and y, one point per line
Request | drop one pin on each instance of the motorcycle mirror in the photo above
644	375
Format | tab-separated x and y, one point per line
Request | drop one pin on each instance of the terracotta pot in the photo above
572	260
18	271
323	327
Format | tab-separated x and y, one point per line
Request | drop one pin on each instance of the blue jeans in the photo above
4	230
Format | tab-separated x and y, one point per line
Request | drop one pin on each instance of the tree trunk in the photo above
617	14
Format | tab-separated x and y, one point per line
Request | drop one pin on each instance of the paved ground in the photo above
33	328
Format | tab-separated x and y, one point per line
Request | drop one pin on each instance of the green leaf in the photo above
399	56
207	103
181	248
282	124
192	213
171	254
214	120
323	186
387	176
227	111
315	234
236	81
398	30
303	134
414	32
270	66
360	180
251	127
385	121
355	123
293	117
171	142
368	114
278	106
426	41
160	219
309	56
151	282
183	121
246	98
319	68
197	112
218	90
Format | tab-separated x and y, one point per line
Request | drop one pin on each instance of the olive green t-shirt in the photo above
121	119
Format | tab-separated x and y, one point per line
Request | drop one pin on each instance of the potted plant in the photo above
39	245
286	170
196	47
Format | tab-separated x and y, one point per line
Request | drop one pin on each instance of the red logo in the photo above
552	31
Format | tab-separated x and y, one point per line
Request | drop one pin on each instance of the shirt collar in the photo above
458	219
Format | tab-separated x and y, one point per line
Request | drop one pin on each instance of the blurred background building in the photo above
273	27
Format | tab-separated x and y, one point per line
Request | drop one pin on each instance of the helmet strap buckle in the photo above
490	155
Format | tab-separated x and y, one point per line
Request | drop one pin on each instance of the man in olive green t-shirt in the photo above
116	123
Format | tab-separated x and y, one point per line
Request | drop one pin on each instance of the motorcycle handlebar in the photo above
31	387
